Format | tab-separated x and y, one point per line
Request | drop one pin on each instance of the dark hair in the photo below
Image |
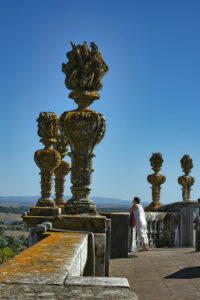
137	200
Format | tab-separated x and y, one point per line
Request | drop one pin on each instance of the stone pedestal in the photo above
120	234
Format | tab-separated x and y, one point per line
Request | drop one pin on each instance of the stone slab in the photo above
98	281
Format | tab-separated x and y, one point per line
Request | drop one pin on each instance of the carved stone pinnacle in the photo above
186	180
156	180
47	159
83	127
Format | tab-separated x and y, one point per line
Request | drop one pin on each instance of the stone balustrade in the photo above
163	230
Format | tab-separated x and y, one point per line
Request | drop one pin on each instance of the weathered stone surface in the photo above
70	292
100	252
96	224
45	211
48	262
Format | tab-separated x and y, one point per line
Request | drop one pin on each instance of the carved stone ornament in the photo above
47	159
83	127
156	180
85	68
61	171
186	180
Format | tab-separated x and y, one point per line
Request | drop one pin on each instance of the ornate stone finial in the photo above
186	164
156	180
83	127
156	161
186	180
61	171
47	159
84	72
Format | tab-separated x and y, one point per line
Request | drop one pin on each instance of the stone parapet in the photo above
50	261
51	269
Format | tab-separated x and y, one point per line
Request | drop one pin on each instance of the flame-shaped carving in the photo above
85	68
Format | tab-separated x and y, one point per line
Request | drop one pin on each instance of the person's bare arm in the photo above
131	209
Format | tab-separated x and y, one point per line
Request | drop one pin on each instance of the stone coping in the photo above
115	213
48	262
177	206
95	224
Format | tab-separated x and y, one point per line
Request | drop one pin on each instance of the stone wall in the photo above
45	270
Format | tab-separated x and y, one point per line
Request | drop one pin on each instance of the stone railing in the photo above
163	230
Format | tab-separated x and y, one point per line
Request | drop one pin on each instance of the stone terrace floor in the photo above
161	274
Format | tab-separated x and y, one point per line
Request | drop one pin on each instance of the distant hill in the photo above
31	200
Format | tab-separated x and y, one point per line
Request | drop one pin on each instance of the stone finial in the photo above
83	128
156	180
47	159
61	171
156	161
186	164
186	180
85	68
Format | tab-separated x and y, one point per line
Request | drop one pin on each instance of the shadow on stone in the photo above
186	273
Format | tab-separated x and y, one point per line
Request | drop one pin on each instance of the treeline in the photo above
15	225
112	209
14	210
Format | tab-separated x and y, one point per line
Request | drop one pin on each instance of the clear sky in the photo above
151	94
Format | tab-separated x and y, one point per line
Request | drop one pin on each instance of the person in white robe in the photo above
140	221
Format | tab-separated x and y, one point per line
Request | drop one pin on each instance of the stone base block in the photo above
45	211
120	238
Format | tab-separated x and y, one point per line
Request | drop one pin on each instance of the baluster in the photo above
155	231
150	234
160	233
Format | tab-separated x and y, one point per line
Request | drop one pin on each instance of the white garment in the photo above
133	239
141	224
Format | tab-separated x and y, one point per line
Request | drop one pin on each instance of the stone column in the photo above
186	180
156	180
61	171
47	160
83	128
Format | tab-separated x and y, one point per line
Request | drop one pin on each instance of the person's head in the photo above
136	200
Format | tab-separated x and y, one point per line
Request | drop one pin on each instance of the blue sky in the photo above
150	97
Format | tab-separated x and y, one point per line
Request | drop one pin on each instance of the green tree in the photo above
6	253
